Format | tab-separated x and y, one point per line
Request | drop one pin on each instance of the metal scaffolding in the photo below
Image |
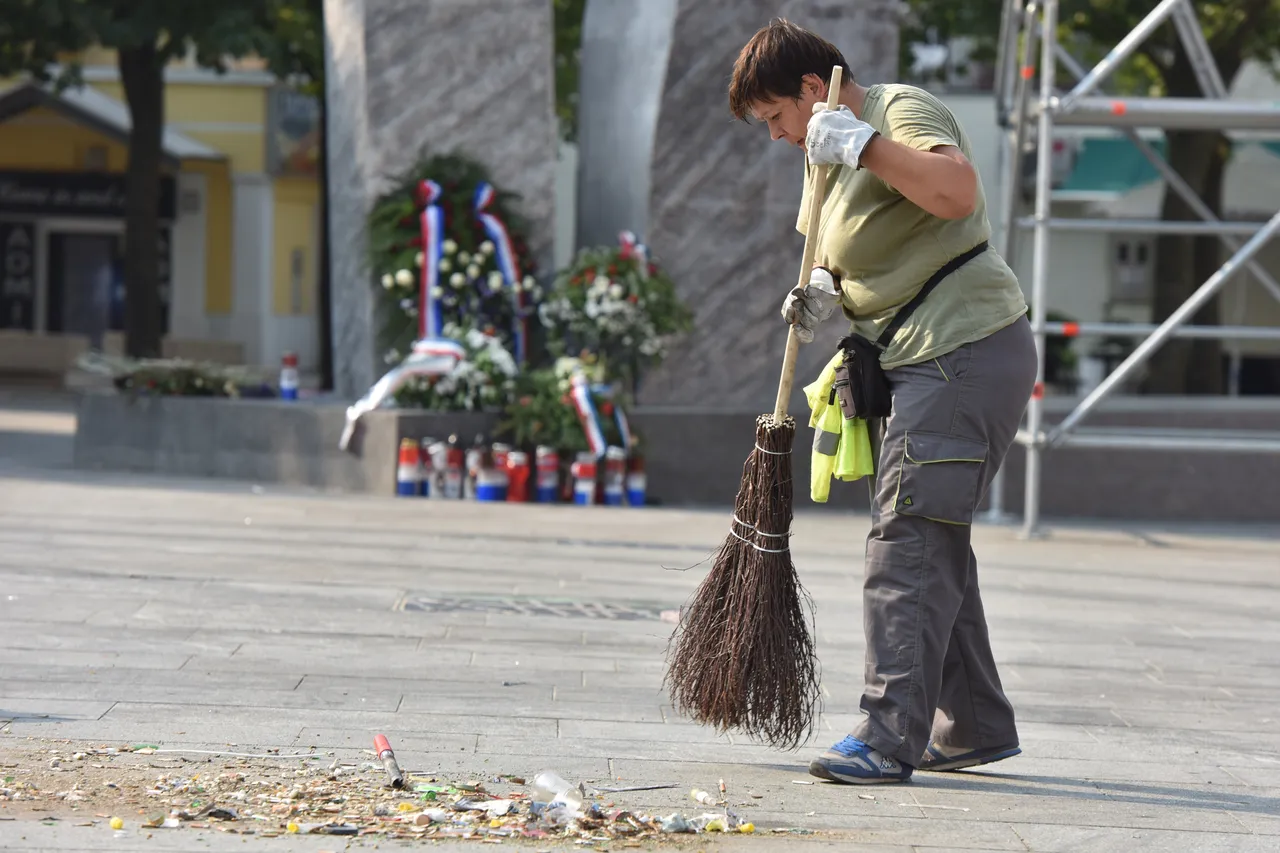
1028	25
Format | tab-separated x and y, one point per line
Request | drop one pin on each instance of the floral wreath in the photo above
450	253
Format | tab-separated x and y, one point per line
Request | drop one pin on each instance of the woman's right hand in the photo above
807	305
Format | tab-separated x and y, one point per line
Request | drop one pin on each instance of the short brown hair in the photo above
774	63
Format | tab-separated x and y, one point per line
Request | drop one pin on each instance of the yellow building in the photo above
240	216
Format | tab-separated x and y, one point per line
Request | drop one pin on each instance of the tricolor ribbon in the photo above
430	317
505	255
439	348
580	394
619	417
631	247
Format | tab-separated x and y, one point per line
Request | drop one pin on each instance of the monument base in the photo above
693	457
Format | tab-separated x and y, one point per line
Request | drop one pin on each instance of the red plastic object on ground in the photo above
383	748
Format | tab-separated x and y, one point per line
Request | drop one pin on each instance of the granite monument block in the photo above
468	76
715	199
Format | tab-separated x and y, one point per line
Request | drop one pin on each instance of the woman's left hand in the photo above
837	136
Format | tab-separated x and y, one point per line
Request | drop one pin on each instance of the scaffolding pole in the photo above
1014	138
1080	108
1040	257
1175	181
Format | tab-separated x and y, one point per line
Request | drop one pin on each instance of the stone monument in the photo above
715	199
472	76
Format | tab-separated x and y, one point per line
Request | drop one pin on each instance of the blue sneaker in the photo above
942	758
854	762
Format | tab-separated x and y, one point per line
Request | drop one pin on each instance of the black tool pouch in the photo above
861	386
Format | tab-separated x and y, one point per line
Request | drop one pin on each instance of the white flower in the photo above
419	259
495	280
404	278
388	281
406	304
392	356
457	279
616	291
487	247
473	271
464	257
437	292
449	247
445	265
564	386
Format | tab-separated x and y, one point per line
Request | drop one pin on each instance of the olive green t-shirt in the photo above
884	247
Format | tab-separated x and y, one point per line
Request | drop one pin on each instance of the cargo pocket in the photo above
938	477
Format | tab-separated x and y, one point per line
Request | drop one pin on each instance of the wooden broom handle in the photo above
813	217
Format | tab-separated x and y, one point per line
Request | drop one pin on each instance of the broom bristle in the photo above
742	657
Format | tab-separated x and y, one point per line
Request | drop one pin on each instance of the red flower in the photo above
590	275
633	299
416	242
606	409
613	269
653	270
576	281
526	401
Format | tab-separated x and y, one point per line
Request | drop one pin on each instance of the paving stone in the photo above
1144	687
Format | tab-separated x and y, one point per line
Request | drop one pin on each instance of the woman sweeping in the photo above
903	217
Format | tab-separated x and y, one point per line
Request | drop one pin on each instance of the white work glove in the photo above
807	305
837	136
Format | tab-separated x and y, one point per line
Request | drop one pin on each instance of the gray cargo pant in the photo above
928	651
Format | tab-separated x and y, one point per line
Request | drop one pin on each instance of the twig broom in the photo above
742	657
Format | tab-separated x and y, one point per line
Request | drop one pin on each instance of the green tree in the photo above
146	35
1237	31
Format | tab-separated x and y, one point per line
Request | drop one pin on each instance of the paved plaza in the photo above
487	640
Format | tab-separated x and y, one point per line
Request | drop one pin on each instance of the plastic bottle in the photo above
518	477
637	482
453	472
289	376
475	458
584	479
408	469
615	475
549	787
430	487
548	484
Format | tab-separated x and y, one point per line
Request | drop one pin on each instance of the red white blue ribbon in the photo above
505	255
580	394
430	318
619	417
439	348
624	428
632	248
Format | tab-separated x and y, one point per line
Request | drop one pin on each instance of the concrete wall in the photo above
696	457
